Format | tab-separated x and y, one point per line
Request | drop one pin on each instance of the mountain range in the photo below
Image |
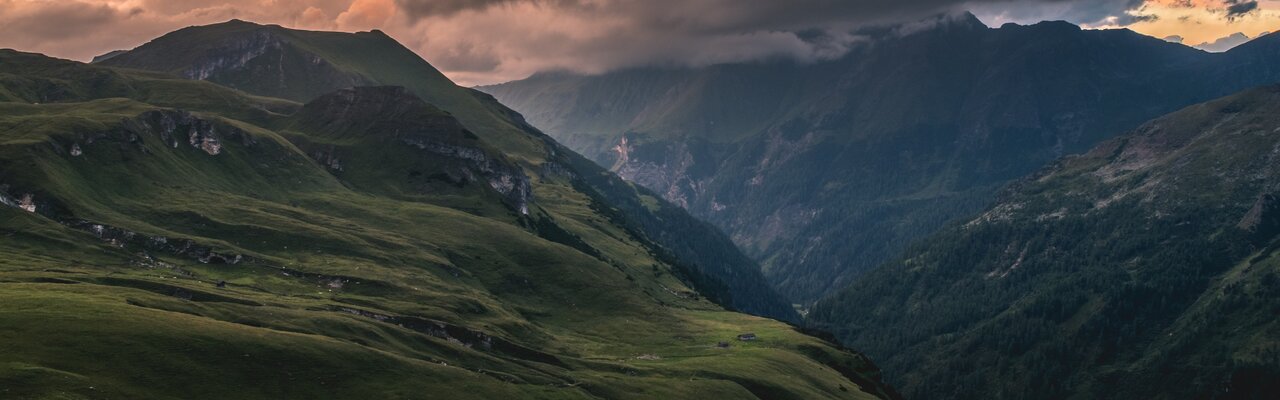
1146	267
823	170
248	211
272	61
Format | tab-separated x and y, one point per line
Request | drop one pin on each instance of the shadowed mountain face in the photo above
300	65
824	170
1145	268
272	61
360	242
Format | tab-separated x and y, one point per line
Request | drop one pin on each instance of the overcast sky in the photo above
489	41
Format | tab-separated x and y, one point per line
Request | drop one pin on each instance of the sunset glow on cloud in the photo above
486	41
1199	21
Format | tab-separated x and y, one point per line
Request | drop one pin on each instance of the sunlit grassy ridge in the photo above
306	64
352	283
302	65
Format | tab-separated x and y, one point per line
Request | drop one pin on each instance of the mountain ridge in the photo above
845	162
271	248
479	112
1104	275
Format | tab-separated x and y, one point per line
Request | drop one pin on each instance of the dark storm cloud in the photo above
1238	8
72	18
711	16
431	8
484	41
518	37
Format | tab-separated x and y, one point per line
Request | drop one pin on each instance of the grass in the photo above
366	58
350	285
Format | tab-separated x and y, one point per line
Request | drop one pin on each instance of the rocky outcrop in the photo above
666	167
25	202
920	126
262	59
173	128
233	54
392	115
30	200
186	248
1262	222
328	159
508	180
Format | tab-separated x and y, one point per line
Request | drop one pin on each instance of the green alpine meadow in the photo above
640	200
240	236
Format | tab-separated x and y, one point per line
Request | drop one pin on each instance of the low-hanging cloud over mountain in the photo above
484	41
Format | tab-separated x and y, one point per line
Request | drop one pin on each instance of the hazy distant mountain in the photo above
824	170
174	238
1145	268
1225	43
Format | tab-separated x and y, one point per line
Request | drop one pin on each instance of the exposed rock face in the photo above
249	56
207	142
328	159
124	238
27	203
1154	252
5	199
233	54
508	180
888	143
174	127
310	64
392	115
669	168
1262	216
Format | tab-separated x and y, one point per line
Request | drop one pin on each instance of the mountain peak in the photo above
356	242
961	21
254	58
1056	26
1265	43
239	22
968	19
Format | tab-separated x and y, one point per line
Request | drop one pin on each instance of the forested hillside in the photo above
1146	268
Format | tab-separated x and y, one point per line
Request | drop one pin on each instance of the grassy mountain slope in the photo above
824	170
1145	268
368	244
300	65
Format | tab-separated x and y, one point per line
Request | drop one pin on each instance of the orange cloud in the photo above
1199	21
366	15
487	41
